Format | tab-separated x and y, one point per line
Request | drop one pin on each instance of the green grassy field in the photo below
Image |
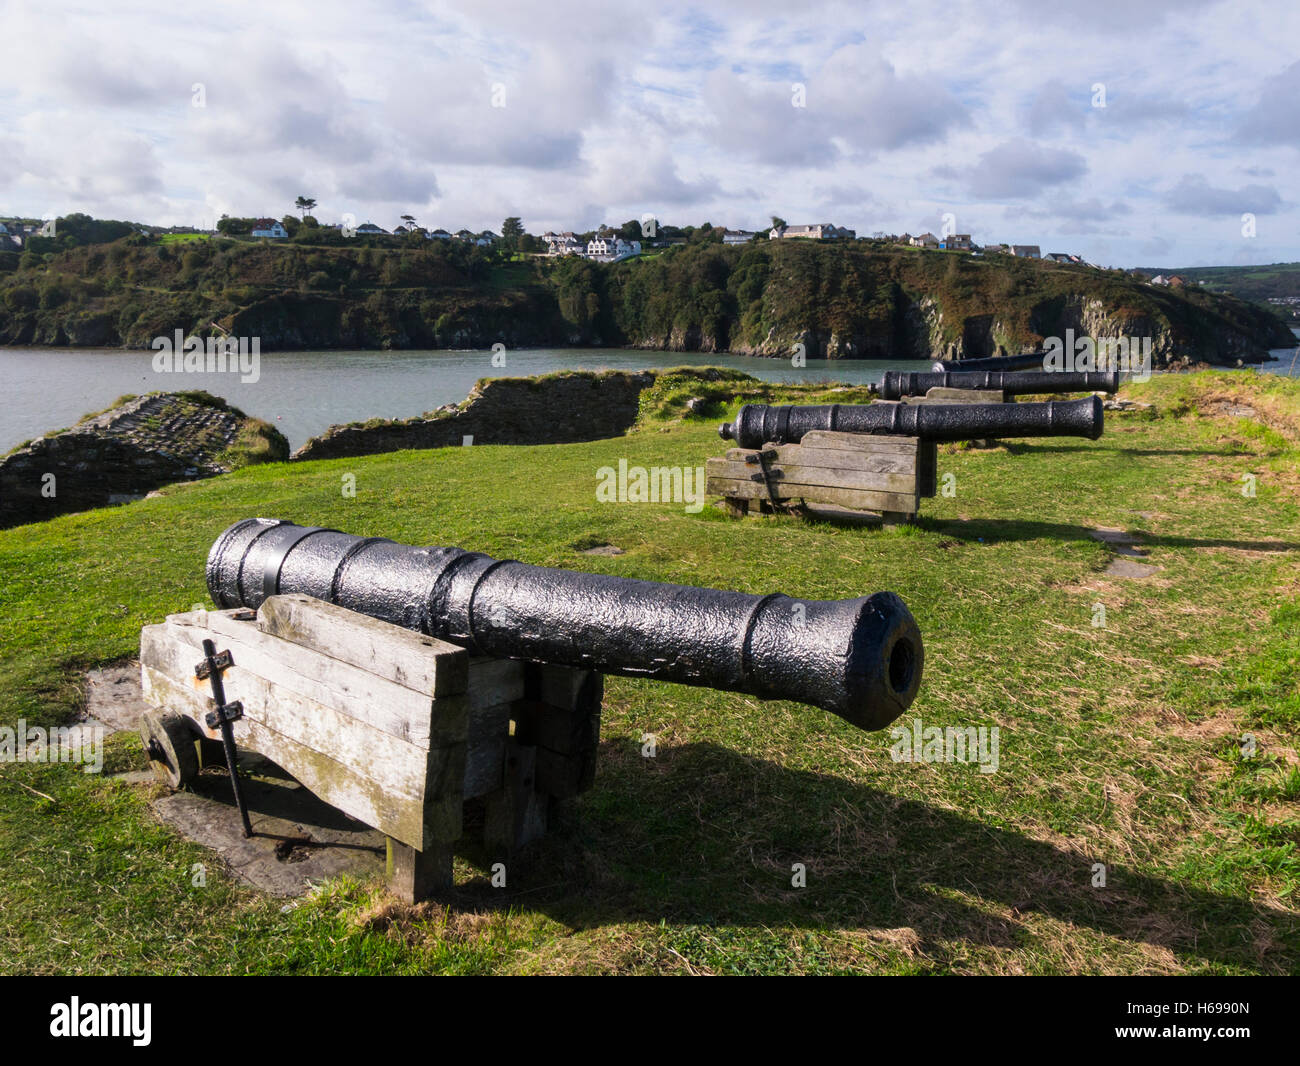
1119	745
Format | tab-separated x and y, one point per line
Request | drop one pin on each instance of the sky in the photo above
1132	132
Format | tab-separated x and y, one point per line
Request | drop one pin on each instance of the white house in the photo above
925	240
565	243
610	248
821	231
268	227
737	236
1025	251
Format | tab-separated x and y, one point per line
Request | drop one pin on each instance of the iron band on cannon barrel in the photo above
759	424
896	384
860	659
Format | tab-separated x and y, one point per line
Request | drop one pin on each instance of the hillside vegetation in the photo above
1256	283
853	300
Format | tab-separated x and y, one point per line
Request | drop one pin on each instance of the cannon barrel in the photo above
860	658
896	384
759	424
1024	361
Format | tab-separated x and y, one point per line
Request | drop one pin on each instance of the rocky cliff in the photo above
831	300
122	454
554	409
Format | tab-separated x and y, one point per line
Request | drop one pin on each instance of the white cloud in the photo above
981	108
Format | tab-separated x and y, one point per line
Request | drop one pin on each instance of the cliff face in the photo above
832	300
556	409
864	301
128	451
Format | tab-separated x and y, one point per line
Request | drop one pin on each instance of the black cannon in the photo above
759	424
896	384
1024	361
860	659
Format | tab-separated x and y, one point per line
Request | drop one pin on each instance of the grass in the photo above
1120	745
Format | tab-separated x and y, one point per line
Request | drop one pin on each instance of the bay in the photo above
304	393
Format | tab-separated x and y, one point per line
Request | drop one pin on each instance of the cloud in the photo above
611	109
1113	15
651	182
1274	119
1193	195
1090	210
1018	169
854	106
1054	107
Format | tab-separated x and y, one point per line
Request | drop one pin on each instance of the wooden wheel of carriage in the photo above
169	742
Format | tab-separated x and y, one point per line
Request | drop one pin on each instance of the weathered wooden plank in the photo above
484	762
899	461
927	469
415	875
829	476
424	665
401	817
871	442
515	814
856	499
352	690
396	765
494	681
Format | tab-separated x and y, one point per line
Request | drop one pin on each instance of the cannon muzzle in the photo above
759	424
895	384
860	659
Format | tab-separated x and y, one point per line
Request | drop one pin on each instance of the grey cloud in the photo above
1275	118
856	105
1145	110
1193	195
390	182
1091	210
1054	107
1019	169
1108	15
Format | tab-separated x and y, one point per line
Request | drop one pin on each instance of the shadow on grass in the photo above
994	530
703	835
1019	448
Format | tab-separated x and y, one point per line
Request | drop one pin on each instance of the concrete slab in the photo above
1128	568
1124	544
1111	535
113	698
297	841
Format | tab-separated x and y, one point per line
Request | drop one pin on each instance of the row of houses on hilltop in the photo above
604	247
14	232
609	247
818	231
274	230
961	242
